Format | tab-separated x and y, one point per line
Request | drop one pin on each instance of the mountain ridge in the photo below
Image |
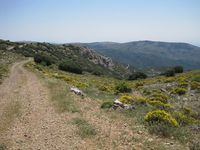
145	54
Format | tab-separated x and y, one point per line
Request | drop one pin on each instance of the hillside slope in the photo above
86	58
146	54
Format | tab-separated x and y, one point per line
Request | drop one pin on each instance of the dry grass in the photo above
61	96
86	130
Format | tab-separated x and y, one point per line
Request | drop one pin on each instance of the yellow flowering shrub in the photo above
195	85
159	97
179	90
126	99
161	116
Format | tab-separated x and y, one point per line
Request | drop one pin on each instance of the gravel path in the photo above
37	126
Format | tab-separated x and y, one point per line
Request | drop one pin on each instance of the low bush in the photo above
82	85
97	73
104	88
183	84
43	59
140	100
179	91
139	84
184	119
170	73
169	80
126	99
63	77
137	75
195	85
159	97
147	91
122	87
196	78
107	104
178	69
160	105
161	116
182	79
70	67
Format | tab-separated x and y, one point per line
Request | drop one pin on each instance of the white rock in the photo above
118	102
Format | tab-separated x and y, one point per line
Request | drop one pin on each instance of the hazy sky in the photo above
100	20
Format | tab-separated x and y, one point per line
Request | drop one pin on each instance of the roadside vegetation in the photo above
166	106
85	130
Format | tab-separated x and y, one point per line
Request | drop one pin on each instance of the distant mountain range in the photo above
150	54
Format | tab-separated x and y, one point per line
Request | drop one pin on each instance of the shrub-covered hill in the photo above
150	54
87	59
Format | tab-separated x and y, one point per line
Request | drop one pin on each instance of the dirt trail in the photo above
37	126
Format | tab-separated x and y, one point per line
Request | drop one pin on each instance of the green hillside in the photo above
149	54
86	59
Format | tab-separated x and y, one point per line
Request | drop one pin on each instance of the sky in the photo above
64	21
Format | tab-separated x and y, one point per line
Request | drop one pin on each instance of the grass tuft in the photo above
86	130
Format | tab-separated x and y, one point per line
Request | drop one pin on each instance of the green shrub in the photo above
189	112
184	119
160	105
169	80
179	91
138	84
70	67
43	59
182	79
147	91
161	116
178	69
107	104
126	99
170	73
82	85
104	88
183	84
137	75
195	85
159	97
196	78
122	87
140	100
97	73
